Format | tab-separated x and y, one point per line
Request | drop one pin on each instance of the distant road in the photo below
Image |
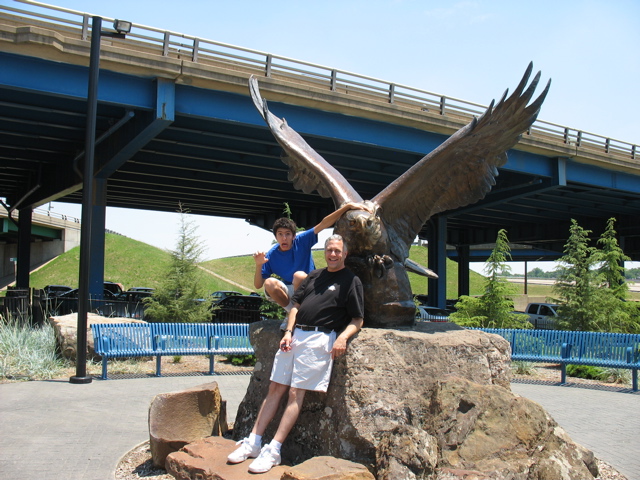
633	287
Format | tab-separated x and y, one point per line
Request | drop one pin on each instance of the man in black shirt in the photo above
328	310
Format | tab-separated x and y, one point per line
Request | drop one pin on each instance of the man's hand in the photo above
285	343
339	347
260	258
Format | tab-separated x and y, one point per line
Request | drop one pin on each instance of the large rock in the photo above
66	332
207	460
450	385
179	418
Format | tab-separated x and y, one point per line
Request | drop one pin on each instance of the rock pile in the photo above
430	403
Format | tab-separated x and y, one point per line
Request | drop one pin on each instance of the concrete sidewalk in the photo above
55	430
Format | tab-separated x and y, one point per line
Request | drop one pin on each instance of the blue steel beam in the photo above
70	81
164	115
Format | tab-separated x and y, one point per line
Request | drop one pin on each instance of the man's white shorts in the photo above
288	288
308	364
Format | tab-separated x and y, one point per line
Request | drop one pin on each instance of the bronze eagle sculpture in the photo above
459	172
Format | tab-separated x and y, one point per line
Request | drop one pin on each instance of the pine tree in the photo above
621	316
179	297
494	309
578	282
613	259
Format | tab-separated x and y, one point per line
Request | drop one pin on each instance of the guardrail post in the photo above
607	144
267	72
579	138
633	151
566	135
85	27
334	80
196	46
392	92
165	44
442	104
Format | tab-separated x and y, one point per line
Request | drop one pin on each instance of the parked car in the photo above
431	314
237	309
67	302
130	304
114	288
216	297
542	315
55	290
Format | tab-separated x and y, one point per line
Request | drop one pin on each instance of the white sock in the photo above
275	445
255	439
289	307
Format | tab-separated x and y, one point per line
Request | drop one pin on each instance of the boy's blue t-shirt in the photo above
297	258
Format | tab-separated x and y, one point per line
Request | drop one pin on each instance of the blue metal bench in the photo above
120	340
610	350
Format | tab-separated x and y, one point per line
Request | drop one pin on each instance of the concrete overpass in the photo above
51	235
175	124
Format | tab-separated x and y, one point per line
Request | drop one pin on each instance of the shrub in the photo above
617	375
523	368
27	352
242	360
585	371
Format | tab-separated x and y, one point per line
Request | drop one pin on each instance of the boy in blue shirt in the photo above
291	258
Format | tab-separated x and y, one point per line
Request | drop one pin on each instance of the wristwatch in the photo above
288	330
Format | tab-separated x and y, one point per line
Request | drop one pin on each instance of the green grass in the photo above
137	264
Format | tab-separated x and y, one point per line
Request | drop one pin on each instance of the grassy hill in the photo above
137	264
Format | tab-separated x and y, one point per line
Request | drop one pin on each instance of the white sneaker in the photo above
244	451
267	459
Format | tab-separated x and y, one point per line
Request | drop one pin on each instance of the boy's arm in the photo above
260	259
332	218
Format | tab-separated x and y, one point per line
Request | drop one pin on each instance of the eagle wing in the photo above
307	169
462	170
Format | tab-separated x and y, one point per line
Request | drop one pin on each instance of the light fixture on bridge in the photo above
122	26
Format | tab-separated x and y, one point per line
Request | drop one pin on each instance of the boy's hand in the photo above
260	258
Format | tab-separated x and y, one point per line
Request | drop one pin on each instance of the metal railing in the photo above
209	52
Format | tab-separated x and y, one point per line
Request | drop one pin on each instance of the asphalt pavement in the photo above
55	430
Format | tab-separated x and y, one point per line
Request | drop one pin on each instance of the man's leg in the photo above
270	454
291	413
269	407
250	447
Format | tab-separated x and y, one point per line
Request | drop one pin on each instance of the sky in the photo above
471	50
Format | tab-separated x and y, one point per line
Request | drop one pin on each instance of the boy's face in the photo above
285	237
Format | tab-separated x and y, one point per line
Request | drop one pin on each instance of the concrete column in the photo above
24	247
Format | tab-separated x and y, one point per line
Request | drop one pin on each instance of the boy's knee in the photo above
298	277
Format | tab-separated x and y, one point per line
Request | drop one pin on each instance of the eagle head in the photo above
361	229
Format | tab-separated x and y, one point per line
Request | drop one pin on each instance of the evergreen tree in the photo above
177	298
494	309
613	258
578	282
620	315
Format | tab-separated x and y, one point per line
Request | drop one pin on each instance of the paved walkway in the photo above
55	430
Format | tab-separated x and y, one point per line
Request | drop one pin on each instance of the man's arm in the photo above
340	345
285	343
332	218
260	259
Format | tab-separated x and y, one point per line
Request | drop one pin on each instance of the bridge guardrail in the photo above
209	52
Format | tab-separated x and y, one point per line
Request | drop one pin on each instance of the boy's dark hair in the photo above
285	222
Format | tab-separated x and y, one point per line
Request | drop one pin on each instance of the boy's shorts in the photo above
308	364
289	289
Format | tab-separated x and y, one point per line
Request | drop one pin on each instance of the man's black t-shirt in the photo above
329	299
